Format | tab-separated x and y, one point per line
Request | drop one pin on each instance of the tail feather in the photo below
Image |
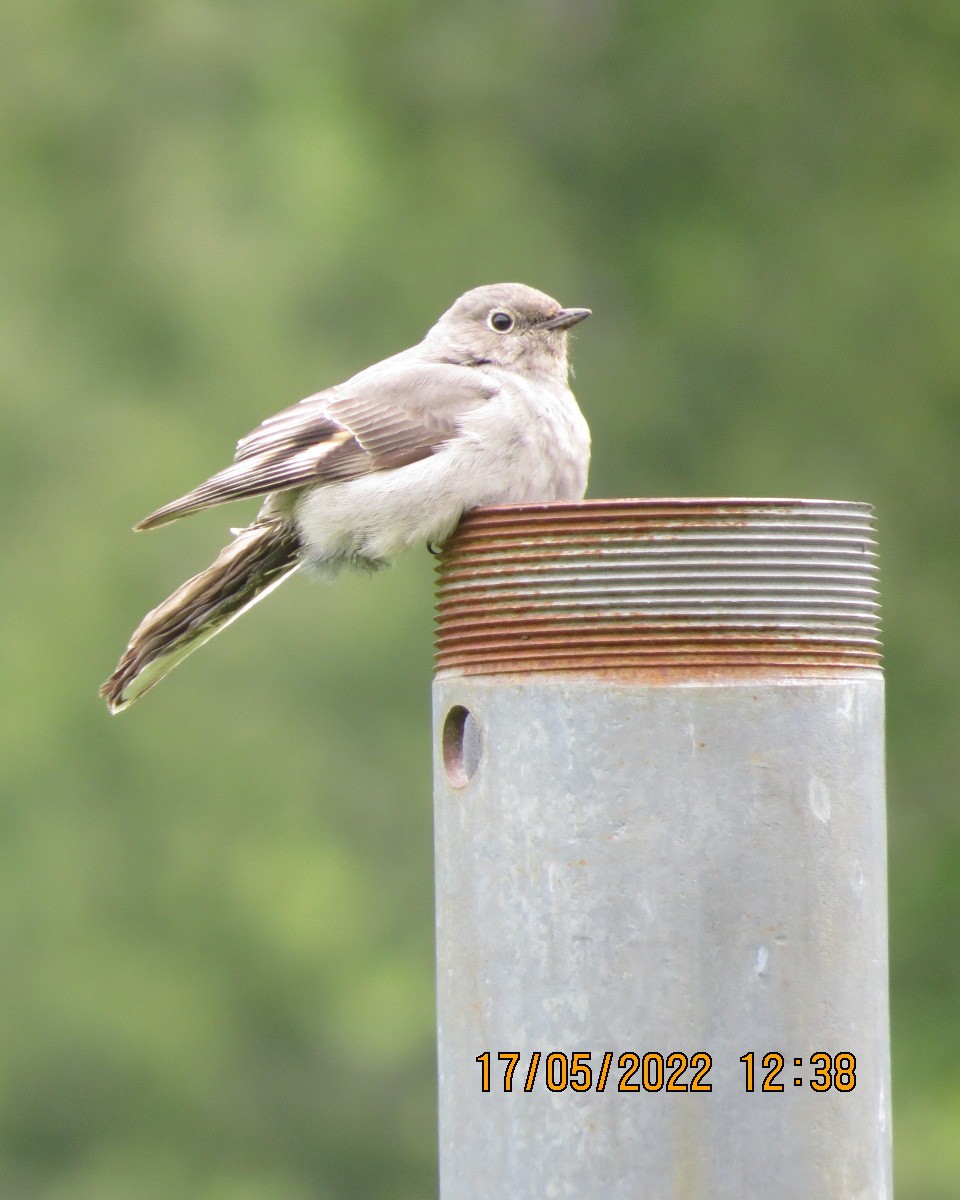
259	559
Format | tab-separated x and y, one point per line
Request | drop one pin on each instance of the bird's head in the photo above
507	325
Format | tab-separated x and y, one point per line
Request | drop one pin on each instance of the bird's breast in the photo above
538	443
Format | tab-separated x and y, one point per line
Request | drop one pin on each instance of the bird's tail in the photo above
258	559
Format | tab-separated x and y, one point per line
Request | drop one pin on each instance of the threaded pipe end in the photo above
693	587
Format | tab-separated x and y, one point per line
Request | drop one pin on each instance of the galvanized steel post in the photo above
660	853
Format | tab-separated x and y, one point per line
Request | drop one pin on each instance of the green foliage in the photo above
215	911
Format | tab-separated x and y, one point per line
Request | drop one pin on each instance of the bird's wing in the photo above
379	420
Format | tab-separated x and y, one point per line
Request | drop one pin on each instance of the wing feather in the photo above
303	423
379	420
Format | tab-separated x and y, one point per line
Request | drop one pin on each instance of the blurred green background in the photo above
216	910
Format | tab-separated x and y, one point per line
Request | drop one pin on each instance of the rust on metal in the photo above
685	588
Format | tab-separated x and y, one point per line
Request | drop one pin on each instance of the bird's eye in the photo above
501	321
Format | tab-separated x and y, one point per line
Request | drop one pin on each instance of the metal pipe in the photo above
660	854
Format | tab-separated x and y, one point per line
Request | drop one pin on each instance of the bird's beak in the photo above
564	318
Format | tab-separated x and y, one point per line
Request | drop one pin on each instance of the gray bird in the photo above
479	412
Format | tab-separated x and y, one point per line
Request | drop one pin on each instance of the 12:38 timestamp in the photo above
836	1071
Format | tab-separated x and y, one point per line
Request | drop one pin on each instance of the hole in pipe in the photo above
462	745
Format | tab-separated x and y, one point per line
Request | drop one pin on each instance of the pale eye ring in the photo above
500	321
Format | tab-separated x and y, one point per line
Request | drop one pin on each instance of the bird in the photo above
479	412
